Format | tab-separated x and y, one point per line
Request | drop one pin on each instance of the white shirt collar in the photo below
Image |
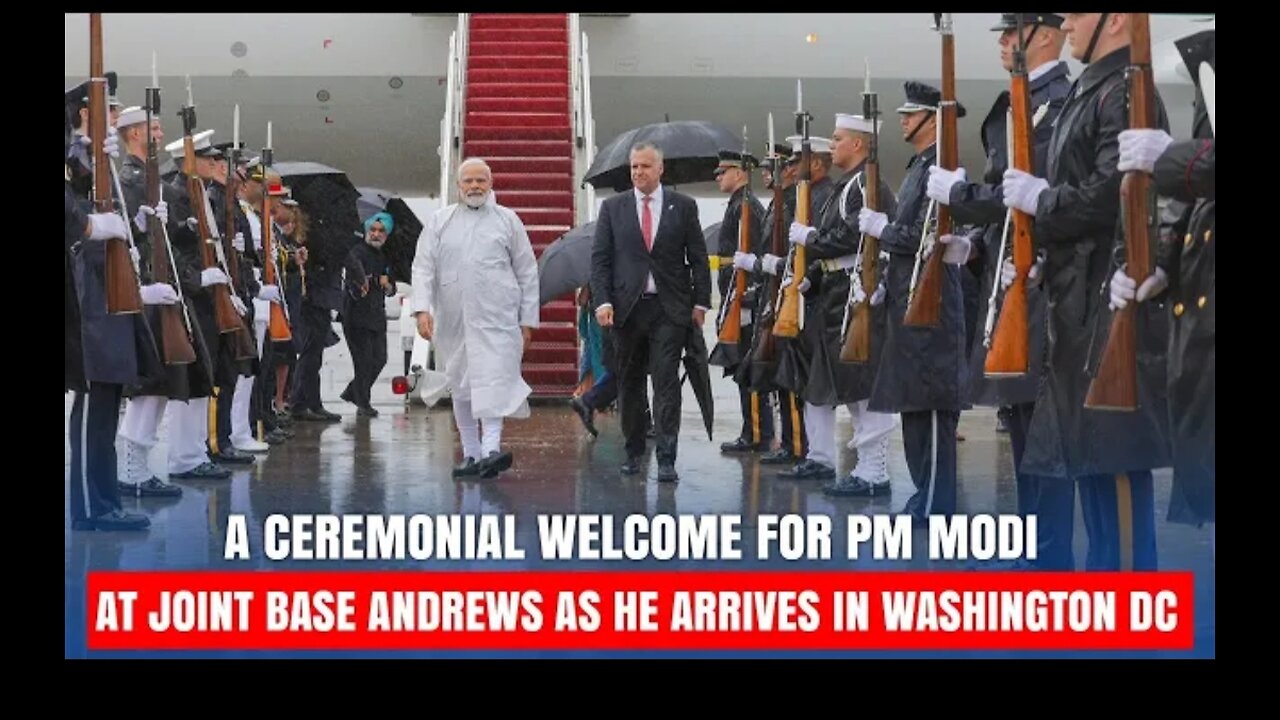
1041	70
656	195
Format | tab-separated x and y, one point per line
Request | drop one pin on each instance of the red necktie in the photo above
646	226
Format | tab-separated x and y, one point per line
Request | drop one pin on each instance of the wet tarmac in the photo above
400	462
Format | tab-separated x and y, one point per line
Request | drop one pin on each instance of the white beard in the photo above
475	201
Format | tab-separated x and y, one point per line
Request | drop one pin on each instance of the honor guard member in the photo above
140	427
76	107
833	246
921	371
733	176
100	358
190	420
1186	264
980	202
1076	204
233	409
793	443
795	356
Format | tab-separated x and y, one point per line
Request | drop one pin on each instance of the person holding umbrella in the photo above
652	280
475	295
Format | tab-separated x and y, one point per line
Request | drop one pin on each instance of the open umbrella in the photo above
403	241
690	148
329	198
565	265
698	374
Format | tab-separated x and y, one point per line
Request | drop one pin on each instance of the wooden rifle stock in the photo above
224	312
124	296
765	350
857	340
1115	386
789	322
277	322
1009	354
175	338
731	329
925	308
245	349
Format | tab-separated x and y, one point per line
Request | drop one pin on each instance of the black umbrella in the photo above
712	235
329	198
403	241
698	373
690	148
565	265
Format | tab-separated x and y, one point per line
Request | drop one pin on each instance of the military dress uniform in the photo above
796	355
757	410
1108	455
1185	172
981	203
921	373
139	428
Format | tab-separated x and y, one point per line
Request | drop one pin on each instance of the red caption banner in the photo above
711	610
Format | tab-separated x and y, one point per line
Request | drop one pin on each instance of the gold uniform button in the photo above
1187	239
1177	310
1202	301
1208	234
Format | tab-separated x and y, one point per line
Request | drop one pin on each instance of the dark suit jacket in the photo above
620	264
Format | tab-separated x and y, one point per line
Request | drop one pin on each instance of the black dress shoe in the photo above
586	414
667	473
495	463
114	520
327	415
781	456
203	471
348	396
468	468
631	466
851	486
366	411
232	456
307	415
739	445
152	487
809	470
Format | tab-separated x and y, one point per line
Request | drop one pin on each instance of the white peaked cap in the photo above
133	115
857	123
816	144
202	140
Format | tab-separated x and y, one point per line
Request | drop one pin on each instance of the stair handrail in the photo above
584	124
451	125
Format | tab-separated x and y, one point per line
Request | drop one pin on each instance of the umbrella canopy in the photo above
330	201
403	241
691	152
698	373
712	235
565	265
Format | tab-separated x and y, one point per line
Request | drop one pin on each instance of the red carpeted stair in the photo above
518	120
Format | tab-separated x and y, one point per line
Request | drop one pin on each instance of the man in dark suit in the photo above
650	276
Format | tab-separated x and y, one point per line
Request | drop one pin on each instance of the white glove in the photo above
877	297
1125	288
158	294
1008	272
769	263
106	226
744	261
212	276
193	224
957	249
270	293
1022	191
161	211
805	285
859	295
941	181
112	143
800	234
239	305
1139	150
871	222
237	242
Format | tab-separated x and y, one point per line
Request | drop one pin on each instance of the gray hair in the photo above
474	161
646	145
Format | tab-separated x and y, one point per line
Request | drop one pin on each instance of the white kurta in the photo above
475	272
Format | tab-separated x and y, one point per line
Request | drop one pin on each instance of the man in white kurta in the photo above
475	295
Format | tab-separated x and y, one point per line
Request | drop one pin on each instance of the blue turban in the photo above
382	217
